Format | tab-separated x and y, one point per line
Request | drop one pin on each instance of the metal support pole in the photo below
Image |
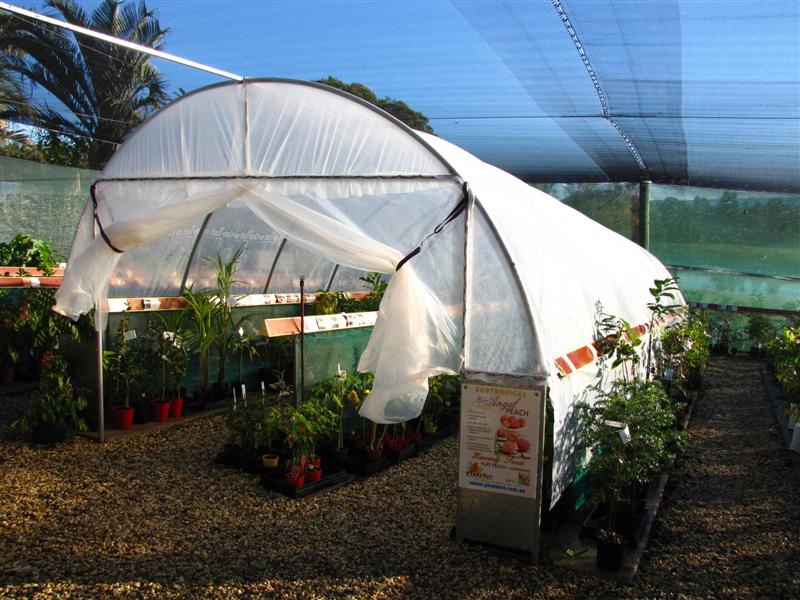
644	214
302	338
101	427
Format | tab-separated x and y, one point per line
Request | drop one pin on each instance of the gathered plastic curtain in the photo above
413	338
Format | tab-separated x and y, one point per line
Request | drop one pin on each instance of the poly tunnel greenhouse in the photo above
286	337
504	286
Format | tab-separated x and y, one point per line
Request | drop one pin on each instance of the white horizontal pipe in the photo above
113	40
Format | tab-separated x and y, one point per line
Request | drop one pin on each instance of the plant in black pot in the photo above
629	430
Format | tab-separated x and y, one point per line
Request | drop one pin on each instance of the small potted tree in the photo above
630	432
126	366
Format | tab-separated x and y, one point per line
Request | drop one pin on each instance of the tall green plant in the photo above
223	316
126	363
663	306
201	314
617	342
242	344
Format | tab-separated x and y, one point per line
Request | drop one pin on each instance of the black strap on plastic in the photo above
103	233
457	210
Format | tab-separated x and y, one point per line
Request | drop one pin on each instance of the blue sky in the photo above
692	77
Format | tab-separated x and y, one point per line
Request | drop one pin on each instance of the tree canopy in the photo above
107	90
397	108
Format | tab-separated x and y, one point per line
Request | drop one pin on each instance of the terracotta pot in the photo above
123	417
159	411
175	407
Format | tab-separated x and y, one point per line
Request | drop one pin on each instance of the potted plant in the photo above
334	393
629	430
686	349
222	320
126	367
760	331
200	313
375	444
271	424
12	347
327	303
242	346
299	439
56	413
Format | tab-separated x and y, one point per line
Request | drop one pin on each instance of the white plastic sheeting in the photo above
348	185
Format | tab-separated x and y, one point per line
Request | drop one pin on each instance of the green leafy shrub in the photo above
58	402
616	466
25	251
686	346
784	354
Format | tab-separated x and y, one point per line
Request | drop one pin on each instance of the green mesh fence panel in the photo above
614	205
42	200
326	350
755	236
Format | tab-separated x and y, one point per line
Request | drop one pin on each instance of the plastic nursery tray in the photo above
399	455
431	438
361	466
275	480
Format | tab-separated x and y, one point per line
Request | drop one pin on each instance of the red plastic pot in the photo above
315	461
314	474
296	481
123	417
414	437
159	411
375	455
175	407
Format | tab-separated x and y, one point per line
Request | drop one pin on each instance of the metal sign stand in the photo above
501	445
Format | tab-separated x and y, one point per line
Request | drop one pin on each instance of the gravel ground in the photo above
150	515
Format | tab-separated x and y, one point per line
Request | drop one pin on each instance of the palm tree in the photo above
107	89
12	97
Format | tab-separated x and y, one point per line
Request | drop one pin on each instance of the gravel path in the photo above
151	516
